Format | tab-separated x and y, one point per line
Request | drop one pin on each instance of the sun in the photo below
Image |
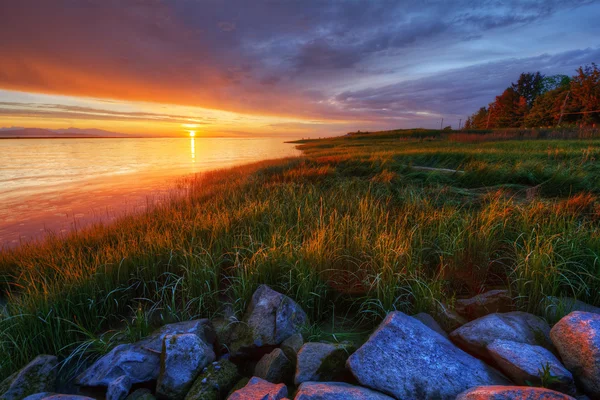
192	133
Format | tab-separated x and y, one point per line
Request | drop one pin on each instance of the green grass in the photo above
350	230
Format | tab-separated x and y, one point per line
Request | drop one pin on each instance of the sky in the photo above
276	67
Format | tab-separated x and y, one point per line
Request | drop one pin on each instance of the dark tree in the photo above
529	86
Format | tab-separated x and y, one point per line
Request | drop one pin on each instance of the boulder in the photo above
431	323
336	391
183	357
493	301
140	361
141	394
136	362
555	308
39	396
291	346
119	388
202	328
37	376
274	367
407	360
270	318
524	364
321	362
214	382
260	389
511	393
520	327
577	339
56	396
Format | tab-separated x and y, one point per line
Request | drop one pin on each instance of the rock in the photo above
200	327
56	396
493	301
140	361
141	394
520	327
431	323
39	396
448	319
274	367
555	308
259	389
524	365
214	382
407	360
511	393
37	376
270	318
577	339
291	346
321	362
336	391
182	359
119	388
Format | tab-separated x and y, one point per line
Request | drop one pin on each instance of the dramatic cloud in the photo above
375	62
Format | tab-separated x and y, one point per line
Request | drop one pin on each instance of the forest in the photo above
537	101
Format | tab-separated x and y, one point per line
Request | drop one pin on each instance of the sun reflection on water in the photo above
193	148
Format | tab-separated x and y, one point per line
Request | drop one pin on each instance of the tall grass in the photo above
348	231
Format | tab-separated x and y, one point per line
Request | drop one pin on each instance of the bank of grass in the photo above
350	230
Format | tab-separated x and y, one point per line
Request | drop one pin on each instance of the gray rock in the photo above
214	382
493	301
520	327
321	362
182	359
291	346
407	360
141	394
56	396
431	323
577	339
37	376
119	388
524	365
39	396
270	318
555	308
259	389
511	393
140	361
274	367
336	391
67	397
200	327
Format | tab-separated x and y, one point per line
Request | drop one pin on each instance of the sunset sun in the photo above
192	133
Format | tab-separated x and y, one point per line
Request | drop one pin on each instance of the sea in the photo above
54	186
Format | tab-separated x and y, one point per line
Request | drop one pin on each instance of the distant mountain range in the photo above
20	132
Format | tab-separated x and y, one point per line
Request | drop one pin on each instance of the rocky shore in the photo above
480	349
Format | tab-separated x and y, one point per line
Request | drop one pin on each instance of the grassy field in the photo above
356	227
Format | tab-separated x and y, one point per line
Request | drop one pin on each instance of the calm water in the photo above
56	184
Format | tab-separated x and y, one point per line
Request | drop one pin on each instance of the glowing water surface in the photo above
56	184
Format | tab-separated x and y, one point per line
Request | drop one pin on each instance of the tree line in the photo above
536	100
